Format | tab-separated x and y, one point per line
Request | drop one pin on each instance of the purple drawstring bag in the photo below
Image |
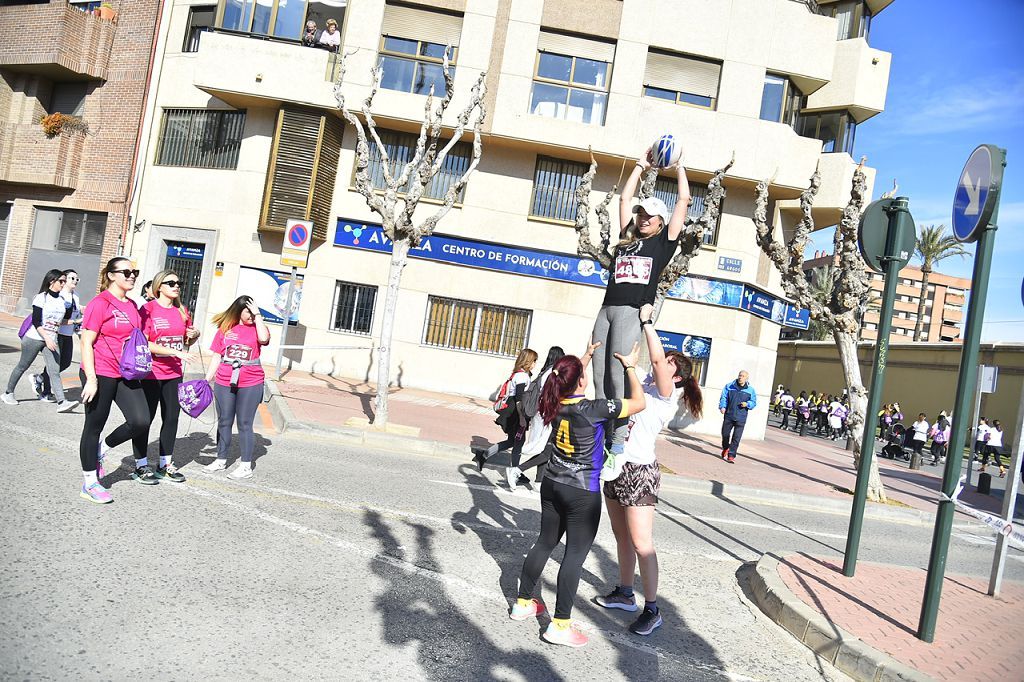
25	326
194	397
136	360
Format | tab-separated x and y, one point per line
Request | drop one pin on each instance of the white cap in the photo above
654	206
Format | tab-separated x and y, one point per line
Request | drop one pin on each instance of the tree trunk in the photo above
858	419
399	258
925	272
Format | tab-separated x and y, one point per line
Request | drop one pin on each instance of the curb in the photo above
846	652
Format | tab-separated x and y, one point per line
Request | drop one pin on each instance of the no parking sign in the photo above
295	246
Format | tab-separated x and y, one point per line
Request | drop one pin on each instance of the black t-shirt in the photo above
637	268
576	445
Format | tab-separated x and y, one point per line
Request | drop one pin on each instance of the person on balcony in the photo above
330	39
311	36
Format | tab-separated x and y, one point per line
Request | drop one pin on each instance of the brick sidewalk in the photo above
881	605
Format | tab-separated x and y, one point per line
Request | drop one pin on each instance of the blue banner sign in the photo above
729	264
696	347
559	267
185	251
269	290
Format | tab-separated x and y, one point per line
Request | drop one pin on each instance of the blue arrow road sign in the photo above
972	203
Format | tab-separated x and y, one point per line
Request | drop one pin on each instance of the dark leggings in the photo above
540	461
576	514
66	347
995	453
164	393
131	400
236	405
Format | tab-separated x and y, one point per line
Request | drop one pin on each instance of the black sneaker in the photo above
169	473
617	600
479	458
145	475
647	623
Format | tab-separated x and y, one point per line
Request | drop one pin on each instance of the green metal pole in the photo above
899	217
965	386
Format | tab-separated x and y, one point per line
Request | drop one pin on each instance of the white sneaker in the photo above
48	398
67	405
512	475
241	471
216	465
9	399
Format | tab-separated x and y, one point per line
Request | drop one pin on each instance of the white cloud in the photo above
960	106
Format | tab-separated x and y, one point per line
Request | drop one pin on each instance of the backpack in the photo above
504	393
25	326
136	360
530	401
194	397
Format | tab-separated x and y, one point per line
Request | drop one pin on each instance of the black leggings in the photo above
995	453
164	393
236	405
540	461
131	400
576	514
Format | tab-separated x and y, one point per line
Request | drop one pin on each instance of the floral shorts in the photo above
636	486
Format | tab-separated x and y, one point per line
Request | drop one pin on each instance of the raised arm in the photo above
678	219
589	354
638	402
664	372
629	191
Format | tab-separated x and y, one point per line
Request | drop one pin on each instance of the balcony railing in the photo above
28	157
58	41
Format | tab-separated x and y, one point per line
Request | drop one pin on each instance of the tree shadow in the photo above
365	399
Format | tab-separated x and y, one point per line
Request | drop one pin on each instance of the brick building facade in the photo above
63	199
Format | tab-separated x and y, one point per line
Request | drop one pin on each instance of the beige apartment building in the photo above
944	305
243	133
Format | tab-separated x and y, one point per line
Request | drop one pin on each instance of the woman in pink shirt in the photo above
168	327
238	376
108	322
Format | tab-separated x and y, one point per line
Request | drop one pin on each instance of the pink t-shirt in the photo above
165	327
241	343
113	322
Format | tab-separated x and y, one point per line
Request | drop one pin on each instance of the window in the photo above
71	231
402	146
853	18
781	100
352	310
200	18
84	5
200	138
571	77
412	48
667	189
68	98
554	188
477	327
836	129
683	80
283	19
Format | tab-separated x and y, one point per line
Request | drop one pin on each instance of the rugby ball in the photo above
666	151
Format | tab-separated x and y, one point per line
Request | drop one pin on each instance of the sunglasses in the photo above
173	283
128	274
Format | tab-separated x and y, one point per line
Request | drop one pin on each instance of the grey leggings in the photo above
29	350
617	328
236	405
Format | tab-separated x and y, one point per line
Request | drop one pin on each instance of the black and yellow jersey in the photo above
576	447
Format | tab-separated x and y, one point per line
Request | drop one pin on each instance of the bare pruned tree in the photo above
688	244
841	313
403	188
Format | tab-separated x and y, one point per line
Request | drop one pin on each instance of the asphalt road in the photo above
353	564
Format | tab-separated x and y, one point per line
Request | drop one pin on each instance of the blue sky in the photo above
957	81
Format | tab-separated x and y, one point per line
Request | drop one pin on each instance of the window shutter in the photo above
683	74
573	46
420	24
303	170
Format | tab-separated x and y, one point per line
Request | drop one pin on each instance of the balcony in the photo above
28	157
860	80
59	42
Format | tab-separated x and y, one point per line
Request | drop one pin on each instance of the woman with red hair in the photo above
570	495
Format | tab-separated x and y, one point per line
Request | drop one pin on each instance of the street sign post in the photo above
975	214
995	580
886	238
294	253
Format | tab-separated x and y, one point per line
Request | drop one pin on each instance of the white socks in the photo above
164	461
139	463
90	477
491	451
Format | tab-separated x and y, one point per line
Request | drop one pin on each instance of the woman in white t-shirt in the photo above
994	447
47	315
633	479
538	433
65	333
920	430
511	419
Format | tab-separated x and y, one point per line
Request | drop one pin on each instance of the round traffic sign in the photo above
977	192
297	235
872	233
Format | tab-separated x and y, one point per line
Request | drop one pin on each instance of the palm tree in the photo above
933	245
821	281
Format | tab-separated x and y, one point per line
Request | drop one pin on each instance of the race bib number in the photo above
51	325
237	351
633	269
172	342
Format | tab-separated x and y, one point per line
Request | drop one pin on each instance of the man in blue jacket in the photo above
738	398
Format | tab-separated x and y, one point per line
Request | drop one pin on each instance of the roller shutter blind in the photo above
575	46
420	24
683	74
